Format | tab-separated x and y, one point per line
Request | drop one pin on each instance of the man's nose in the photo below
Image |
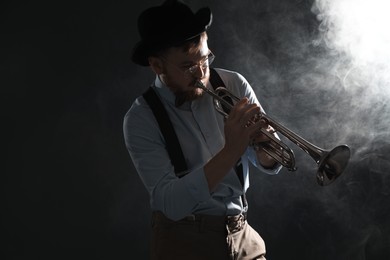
200	72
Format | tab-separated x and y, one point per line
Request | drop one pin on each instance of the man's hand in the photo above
265	160
239	130
239	133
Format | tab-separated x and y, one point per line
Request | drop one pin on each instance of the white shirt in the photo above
200	130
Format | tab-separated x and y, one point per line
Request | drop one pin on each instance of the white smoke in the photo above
322	69
357	35
359	28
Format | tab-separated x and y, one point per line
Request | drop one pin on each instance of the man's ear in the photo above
156	64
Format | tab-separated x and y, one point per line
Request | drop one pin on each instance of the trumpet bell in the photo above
332	164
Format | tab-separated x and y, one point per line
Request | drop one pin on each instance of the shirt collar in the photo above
168	95
164	91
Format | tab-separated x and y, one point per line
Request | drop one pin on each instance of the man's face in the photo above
176	75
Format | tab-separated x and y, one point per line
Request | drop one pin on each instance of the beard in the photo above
182	93
186	96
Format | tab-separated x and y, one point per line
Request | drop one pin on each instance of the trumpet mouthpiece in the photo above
199	84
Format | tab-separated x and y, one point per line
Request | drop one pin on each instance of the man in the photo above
199	209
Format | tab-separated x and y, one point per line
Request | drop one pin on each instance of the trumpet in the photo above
331	163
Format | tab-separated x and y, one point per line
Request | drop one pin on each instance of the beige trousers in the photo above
204	239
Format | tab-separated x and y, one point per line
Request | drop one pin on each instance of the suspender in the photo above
215	79
166	127
172	142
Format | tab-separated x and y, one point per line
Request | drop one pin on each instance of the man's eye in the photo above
187	67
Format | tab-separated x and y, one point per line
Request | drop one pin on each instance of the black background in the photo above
68	184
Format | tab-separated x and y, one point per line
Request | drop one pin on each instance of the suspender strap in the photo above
172	142
215	79
216	82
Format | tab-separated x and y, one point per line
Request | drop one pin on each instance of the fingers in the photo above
242	123
259	136
243	111
237	108
244	115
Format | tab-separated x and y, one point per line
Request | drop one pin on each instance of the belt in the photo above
235	223
232	224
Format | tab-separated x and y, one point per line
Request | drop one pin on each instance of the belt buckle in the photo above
235	223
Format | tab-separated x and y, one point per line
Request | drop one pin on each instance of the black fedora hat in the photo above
168	25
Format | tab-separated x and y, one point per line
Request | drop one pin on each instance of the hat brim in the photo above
142	49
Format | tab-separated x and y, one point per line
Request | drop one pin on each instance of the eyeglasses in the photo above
203	64
191	70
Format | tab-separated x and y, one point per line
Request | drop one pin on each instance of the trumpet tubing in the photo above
331	163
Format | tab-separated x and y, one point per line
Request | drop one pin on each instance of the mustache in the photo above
189	95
